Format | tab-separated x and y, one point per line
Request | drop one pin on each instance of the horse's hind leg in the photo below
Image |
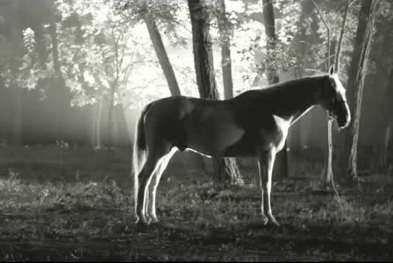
154	156
151	208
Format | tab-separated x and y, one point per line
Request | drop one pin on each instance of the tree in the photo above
225	170
382	59
162	55
224	28
301	45
59	99
357	72
389	123
100	54
15	63
327	174
281	167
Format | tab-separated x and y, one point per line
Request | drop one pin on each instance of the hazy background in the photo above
58	65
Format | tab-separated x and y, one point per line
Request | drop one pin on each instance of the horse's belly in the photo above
213	141
245	147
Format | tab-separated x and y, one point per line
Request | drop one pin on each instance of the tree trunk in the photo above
111	106
224	28
383	60
123	132
327	173
40	44
55	48
97	125
389	124
225	171
16	36
348	165
59	97
280	170
340	40
301	46
162	55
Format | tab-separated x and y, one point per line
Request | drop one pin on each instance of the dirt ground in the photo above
81	209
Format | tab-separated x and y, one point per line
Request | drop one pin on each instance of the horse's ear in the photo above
331	70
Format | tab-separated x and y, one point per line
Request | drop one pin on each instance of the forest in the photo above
76	75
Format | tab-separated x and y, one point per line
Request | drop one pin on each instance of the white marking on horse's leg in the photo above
271	159
262	180
151	209
266	163
144	178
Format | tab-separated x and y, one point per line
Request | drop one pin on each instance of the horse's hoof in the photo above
273	222
141	223
154	220
265	220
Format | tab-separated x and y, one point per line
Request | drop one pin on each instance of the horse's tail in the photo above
140	147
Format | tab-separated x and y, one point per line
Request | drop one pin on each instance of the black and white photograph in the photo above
196	130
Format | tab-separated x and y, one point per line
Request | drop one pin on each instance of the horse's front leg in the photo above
266	162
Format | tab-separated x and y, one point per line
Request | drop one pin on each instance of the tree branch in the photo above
327	28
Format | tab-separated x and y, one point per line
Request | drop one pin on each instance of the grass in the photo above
84	214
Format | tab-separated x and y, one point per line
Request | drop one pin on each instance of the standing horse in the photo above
253	124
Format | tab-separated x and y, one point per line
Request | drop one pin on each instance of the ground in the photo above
65	204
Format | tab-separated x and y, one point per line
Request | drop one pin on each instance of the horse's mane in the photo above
291	86
301	82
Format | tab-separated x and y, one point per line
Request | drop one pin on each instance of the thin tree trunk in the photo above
225	39
162	55
270	29
55	48
225	171
226	65
340	40
280	170
98	125
302	43
58	94
348	166
16	36
389	123
94	128
111	106
124	134
40	44
327	174
383	28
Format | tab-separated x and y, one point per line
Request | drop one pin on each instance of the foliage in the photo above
333	13
101	56
103	45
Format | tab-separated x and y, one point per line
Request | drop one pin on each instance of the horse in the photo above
253	124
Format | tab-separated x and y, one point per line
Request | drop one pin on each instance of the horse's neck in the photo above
299	115
301	98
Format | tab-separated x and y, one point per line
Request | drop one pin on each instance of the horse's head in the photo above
334	101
